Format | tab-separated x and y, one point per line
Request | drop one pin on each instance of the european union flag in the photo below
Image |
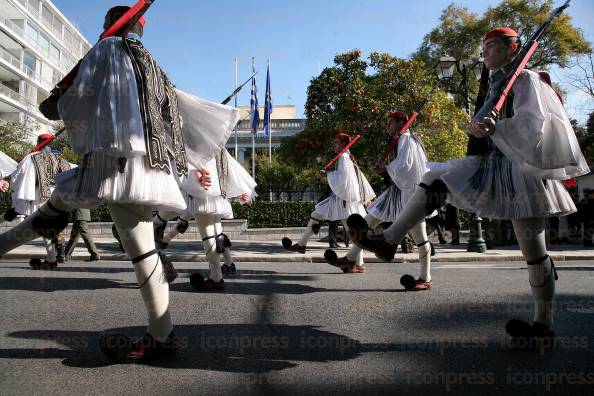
254	113
267	104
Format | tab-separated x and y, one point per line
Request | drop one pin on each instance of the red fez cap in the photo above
500	32
122	10
398	115
343	137
45	136
570	183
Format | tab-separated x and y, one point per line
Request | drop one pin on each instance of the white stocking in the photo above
50	248
136	232
24	232
227	257
531	238
206	227
414	211
419	235
309	232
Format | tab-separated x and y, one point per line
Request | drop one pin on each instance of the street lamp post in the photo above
445	72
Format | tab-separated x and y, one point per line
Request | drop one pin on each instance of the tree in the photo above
13	139
355	96
460	34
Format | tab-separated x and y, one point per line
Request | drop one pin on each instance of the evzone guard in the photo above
208	207
404	172
32	183
351	193
530	148
139	138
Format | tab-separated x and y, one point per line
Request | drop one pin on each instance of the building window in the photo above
29	60
43	42
55	54
47	15
31	33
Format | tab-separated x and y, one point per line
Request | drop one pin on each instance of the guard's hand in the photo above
246	199
323	172
203	177
482	129
4	185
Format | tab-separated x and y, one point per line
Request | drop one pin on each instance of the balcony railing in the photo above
21	99
276	125
14	61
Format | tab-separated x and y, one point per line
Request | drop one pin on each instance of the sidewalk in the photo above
272	251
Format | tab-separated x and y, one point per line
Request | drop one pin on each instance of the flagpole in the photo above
236	126
253	134
268	121
269	128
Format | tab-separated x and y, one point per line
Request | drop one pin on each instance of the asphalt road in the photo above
297	328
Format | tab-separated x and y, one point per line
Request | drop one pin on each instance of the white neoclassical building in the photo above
283	124
38	46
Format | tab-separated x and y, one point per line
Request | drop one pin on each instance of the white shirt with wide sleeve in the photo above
539	137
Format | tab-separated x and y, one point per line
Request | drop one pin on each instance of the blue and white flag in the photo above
254	112
267	104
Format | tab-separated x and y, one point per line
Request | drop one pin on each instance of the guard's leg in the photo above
136	232
224	244
313	227
206	227
541	274
47	221
423	282
429	196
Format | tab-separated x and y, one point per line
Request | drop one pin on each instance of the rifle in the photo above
344	150
507	75
121	28
237	90
394	143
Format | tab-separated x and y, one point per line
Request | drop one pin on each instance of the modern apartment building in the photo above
38	46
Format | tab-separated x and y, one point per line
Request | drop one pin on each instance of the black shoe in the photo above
93	257
362	236
229	269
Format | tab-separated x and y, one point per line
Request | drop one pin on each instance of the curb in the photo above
317	258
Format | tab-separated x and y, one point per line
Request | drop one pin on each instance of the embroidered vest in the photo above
47	166
159	111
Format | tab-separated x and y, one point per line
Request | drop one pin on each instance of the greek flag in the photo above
254	113
267	104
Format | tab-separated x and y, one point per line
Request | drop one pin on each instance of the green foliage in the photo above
279	176
355	96
13	139
264	214
460	34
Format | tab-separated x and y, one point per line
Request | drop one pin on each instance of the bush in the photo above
265	214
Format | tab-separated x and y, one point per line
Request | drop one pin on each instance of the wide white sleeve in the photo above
101	110
23	181
539	137
343	181
206	126
239	181
409	165
7	165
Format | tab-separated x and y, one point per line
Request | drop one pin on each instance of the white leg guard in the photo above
531	238
419	236
314	221
355	253
206	226
53	213
414	211
136	231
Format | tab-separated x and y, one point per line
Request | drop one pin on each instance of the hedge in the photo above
262	214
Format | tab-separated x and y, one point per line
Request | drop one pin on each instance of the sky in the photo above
196	42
